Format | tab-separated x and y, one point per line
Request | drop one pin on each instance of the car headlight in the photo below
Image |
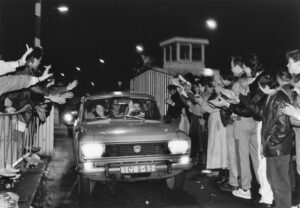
179	146
68	117
92	151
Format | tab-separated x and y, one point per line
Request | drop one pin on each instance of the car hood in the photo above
116	131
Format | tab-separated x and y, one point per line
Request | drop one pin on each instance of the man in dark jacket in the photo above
175	104
277	135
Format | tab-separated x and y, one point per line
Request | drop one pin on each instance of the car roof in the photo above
118	94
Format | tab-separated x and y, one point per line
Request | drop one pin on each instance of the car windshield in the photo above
121	108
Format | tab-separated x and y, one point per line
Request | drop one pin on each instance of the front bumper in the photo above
112	172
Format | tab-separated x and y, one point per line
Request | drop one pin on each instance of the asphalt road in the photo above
59	188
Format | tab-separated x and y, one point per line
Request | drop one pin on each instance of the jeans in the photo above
245	130
232	157
278	175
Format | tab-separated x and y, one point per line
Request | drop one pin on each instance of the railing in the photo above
18	137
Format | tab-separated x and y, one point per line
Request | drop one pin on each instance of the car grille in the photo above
117	150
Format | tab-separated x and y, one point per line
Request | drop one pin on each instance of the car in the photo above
120	137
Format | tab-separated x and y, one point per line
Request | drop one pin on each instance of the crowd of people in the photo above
250	115
27	93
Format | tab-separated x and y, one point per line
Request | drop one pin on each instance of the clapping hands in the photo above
219	102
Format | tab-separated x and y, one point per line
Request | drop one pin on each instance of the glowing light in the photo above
178	146
77	68
62	74
118	93
92	150
68	117
211	24
93	84
139	48
208	72
101	61
63	9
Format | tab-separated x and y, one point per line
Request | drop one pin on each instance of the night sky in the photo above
110	29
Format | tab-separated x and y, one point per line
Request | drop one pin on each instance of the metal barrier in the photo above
18	137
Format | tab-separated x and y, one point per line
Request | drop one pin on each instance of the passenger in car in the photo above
100	111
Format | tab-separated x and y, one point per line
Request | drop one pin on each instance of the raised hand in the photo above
45	74
57	99
72	85
291	110
67	95
22	61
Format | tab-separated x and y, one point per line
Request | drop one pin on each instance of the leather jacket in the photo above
255	95
277	132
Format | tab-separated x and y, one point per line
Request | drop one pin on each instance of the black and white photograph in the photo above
150	103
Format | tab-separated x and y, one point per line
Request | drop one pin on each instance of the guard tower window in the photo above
184	52
173	51
168	58
197	53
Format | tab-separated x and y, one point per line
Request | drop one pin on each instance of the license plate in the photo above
138	169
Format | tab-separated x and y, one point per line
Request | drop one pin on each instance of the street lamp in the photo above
139	48
101	61
63	9
211	24
77	68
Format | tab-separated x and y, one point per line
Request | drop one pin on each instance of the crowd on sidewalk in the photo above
27	93
250	115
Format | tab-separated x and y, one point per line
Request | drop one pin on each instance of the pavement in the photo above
29	183
59	188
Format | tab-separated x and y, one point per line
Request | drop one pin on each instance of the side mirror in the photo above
167	119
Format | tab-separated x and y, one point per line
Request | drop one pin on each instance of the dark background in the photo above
110	29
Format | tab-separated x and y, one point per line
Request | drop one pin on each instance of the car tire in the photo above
176	182
85	186
70	132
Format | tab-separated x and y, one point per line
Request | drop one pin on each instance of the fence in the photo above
18	137
152	82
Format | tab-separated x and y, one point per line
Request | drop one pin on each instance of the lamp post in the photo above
38	16
63	9
211	24
139	48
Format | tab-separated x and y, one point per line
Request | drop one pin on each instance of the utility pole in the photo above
38	16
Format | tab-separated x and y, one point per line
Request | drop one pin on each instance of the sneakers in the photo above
228	187
242	194
206	171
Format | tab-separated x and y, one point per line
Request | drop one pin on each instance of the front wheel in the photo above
70	132
176	182
85	186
